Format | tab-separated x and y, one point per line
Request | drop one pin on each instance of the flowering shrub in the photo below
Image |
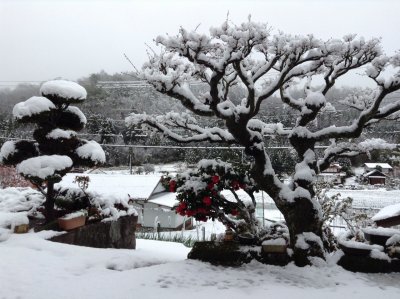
200	195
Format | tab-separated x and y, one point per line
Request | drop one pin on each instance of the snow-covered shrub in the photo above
56	148
199	194
148	168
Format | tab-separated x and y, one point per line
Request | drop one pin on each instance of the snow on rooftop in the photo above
116	185
374	165
64	89
387	212
377	172
167	199
32	106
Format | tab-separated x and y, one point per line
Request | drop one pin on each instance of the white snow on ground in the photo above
377	199
35	269
116	185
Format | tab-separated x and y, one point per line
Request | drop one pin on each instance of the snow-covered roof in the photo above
167	199
116	185
374	165
387	212
375	173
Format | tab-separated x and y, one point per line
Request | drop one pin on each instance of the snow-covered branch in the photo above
172	124
349	149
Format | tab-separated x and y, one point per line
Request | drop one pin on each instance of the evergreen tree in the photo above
56	148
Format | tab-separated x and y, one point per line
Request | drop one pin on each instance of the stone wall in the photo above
110	234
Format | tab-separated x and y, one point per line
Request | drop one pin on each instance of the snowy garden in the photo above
70	227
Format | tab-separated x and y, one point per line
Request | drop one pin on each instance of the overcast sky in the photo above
41	40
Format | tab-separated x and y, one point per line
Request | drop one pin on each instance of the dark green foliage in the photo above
48	146
24	150
69	120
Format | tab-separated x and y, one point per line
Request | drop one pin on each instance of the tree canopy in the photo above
265	63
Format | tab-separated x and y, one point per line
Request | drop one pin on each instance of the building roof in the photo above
374	165
375	174
167	199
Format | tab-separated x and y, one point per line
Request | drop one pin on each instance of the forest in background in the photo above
111	98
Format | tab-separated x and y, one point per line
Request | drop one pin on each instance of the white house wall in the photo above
166	217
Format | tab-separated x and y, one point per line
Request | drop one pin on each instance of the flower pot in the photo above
228	235
21	228
247	240
274	246
354	248
379	235
71	223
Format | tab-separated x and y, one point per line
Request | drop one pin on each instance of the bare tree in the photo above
266	64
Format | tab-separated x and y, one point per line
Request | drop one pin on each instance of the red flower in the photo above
183	205
234	212
215	179
210	186
181	208
201	211
172	186
235	185
190	213
207	200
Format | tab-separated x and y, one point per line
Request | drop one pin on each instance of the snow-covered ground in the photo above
31	267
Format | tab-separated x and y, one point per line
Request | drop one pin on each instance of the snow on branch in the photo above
167	123
266	129
385	71
368	115
349	149
170	74
348	54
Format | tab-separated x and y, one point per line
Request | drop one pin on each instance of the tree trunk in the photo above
305	228
49	204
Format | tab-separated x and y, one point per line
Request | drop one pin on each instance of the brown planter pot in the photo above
68	224
21	229
270	248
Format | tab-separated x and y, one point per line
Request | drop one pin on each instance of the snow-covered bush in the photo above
200	195
56	148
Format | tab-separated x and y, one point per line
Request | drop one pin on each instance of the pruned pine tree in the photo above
56	148
251	55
